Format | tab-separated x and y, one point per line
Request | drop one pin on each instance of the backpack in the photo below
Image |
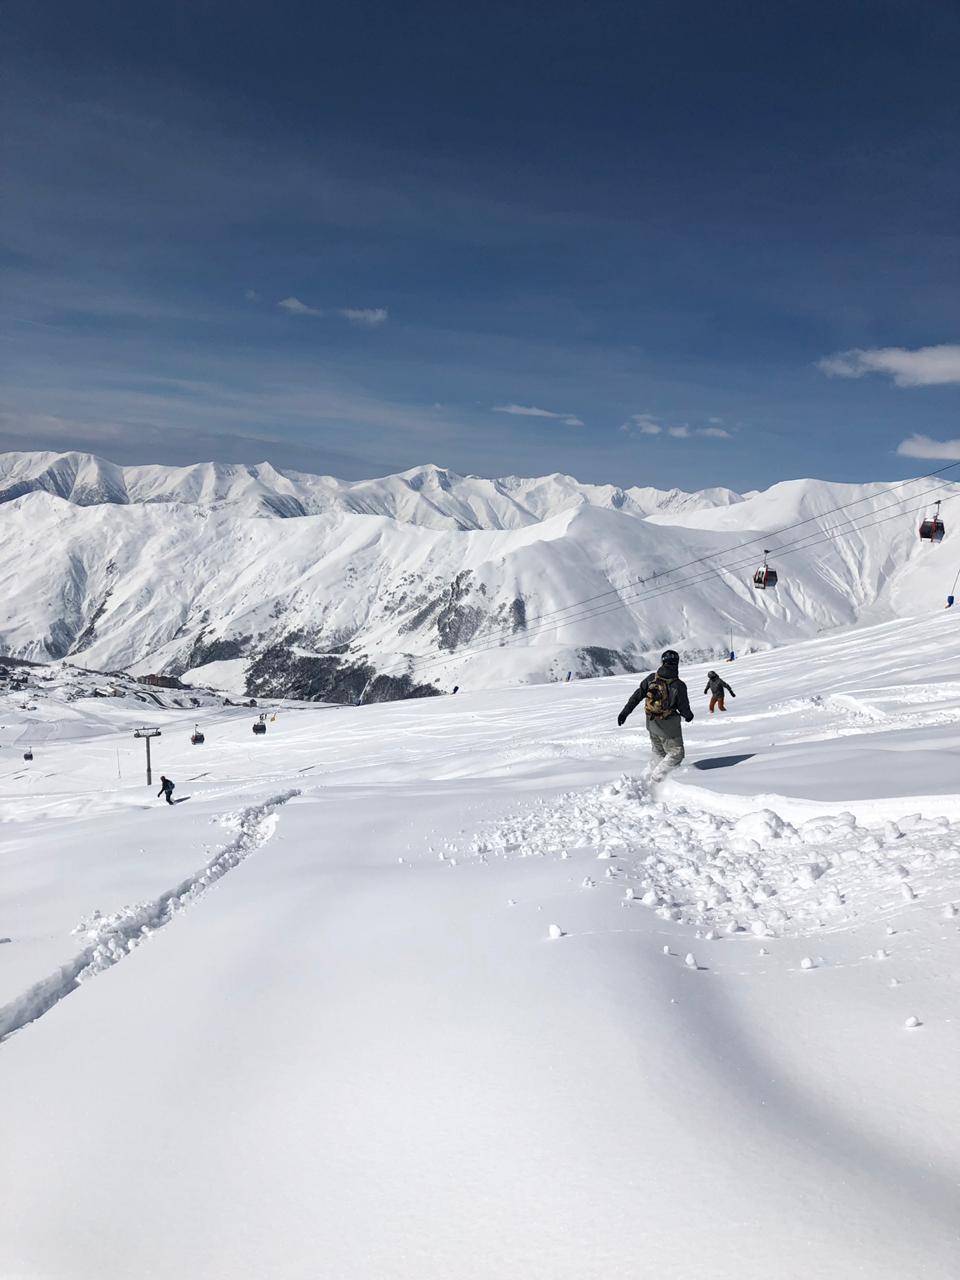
659	698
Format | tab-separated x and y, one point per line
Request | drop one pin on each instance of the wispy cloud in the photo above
642	424
367	317
917	446
251	295
645	424
923	367
230	406
297	308
531	411
363	317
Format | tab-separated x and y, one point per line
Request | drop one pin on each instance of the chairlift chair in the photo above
196	738
28	754
932	527
260	725
765	575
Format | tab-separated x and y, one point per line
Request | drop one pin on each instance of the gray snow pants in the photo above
666	744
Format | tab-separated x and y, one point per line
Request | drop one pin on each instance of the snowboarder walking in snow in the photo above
166	789
715	687
666	702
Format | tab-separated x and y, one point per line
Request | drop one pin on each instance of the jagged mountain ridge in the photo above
430	496
207	572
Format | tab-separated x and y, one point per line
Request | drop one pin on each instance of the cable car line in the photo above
806	541
538	624
714	556
400	618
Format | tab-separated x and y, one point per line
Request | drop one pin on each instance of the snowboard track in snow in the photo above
113	937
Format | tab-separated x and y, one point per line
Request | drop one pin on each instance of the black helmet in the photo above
670	658
712	674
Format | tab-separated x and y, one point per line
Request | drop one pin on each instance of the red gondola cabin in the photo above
765	575
932	527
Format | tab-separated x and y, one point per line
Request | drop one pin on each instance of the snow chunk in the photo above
555	931
808	873
760	827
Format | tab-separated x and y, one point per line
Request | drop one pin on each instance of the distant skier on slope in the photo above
715	687
666	702
166	789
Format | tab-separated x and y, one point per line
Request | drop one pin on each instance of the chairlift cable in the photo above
538	624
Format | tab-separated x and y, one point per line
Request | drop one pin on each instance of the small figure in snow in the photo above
166	789
715	687
666	702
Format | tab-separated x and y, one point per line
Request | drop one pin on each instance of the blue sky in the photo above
671	244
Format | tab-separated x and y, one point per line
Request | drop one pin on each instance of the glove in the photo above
732	694
689	717
620	719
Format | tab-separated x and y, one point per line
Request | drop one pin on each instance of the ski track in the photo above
757	875
111	938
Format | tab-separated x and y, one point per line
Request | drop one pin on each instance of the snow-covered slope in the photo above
308	587
314	1020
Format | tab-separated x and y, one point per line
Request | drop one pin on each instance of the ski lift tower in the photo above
147	734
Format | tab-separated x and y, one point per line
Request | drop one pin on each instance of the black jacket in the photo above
679	698
716	686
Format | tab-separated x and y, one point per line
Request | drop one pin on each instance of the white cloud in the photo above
917	446
645	424
298	308
251	295
924	367
369	317
531	411
365	317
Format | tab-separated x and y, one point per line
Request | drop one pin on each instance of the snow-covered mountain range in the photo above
285	584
